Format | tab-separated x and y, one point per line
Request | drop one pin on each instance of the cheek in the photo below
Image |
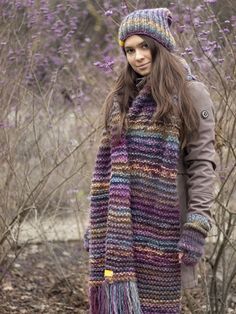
129	59
149	55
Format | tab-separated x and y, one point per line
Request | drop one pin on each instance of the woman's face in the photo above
138	55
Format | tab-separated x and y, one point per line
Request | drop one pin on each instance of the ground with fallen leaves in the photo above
46	278
52	278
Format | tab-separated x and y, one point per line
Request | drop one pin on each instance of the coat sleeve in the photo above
199	162
199	154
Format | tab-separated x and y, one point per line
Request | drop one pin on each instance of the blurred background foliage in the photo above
58	60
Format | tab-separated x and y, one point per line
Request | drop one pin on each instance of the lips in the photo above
143	65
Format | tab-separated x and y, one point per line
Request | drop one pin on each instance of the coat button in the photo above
204	114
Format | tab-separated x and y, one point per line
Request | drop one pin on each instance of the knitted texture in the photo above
192	240
135	216
154	23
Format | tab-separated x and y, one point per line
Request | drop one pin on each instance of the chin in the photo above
142	73
145	73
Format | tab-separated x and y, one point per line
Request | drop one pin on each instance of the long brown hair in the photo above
167	79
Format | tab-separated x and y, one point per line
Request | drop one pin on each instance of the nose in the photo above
138	55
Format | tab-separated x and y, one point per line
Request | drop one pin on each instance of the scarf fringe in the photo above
115	298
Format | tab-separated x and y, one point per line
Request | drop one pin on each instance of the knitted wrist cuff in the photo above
198	222
192	240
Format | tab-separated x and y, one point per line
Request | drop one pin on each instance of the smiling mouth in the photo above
143	65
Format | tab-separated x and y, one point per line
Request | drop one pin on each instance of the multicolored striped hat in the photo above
154	23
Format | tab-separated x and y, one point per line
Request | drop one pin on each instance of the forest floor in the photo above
46	278
52	278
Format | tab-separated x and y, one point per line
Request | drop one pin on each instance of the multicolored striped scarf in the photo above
135	216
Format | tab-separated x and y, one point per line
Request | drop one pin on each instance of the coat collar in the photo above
140	82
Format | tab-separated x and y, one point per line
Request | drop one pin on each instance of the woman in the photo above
152	185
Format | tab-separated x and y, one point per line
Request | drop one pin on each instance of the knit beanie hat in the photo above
154	23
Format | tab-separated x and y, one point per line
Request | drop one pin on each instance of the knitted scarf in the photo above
135	217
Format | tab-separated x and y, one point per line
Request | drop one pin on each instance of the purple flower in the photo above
226	30
199	8
189	49
196	21
106	65
19	5
56	60
210	1
109	13
212	43
206	48
30	3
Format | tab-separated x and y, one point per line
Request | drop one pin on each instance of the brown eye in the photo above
129	50
145	46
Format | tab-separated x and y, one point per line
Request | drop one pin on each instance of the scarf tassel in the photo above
115	298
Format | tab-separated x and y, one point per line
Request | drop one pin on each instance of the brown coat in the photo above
196	167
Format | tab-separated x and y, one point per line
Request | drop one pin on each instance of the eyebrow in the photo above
136	45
